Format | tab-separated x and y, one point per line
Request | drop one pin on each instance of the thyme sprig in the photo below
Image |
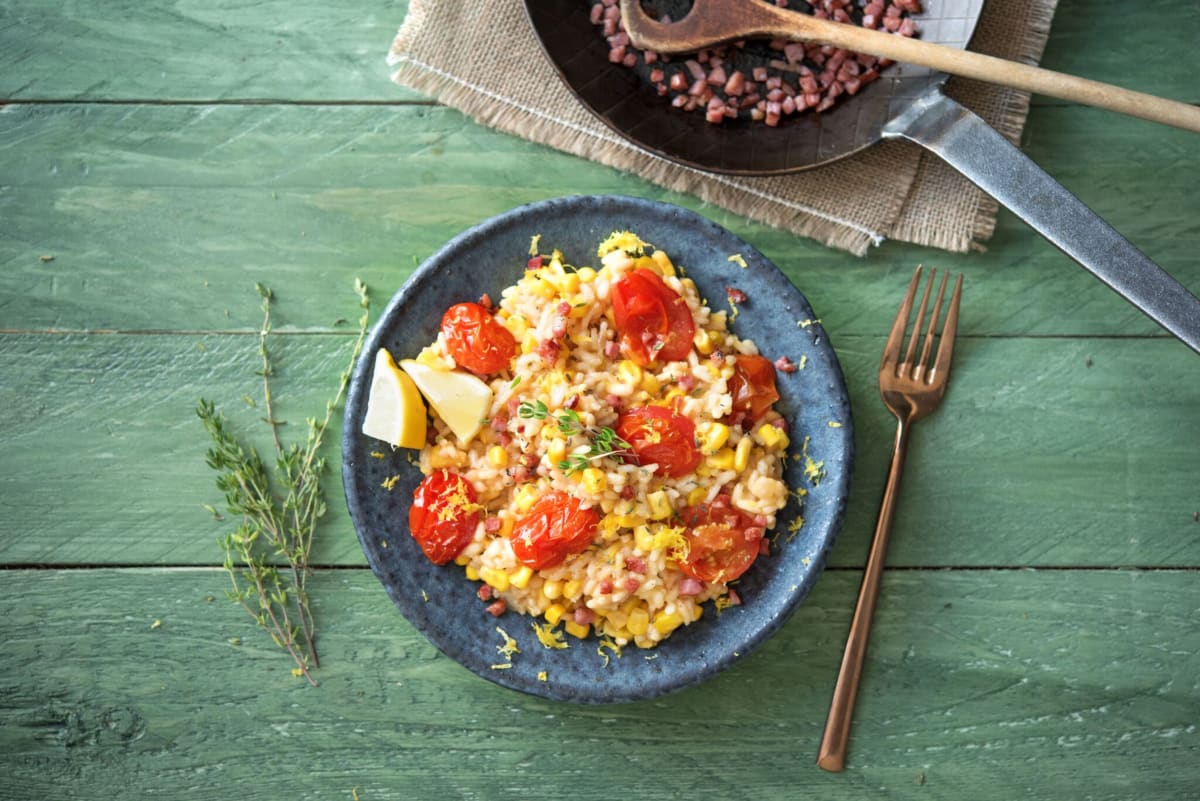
267	555
602	440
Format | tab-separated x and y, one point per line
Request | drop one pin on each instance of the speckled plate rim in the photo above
442	604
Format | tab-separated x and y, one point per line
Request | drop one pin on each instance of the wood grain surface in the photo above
1036	636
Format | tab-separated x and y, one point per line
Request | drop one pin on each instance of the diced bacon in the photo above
492	525
497	608
632	585
734	294
583	616
635	564
785	365
484	592
689	587
605	587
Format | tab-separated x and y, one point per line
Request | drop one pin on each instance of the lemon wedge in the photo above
459	398
395	411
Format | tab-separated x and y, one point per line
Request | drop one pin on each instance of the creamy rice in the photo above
627	587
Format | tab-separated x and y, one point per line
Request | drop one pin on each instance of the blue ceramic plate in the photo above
442	603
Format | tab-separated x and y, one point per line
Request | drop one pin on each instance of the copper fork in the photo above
911	389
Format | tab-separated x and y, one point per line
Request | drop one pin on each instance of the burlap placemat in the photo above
894	190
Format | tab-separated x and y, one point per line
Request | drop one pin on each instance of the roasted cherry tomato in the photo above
476	340
723	541
752	387
443	516
660	436
555	527
653	320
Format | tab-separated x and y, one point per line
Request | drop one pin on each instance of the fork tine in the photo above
949	330
923	364
916	333
891	350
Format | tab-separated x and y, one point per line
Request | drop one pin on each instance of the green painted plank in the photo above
199	51
978	684
322	51
158	218
1036	458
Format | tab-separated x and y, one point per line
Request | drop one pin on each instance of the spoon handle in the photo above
711	22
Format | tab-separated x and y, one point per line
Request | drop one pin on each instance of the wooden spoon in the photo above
712	22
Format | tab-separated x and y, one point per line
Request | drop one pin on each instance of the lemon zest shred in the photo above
622	240
672	541
543	675
611	645
814	471
390	482
533	244
508	648
378	455
548	636
737	259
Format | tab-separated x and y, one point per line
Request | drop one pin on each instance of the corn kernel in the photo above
643	539
495	578
497	456
664	262
517	325
689	285
672	395
546	289
586	275
520	577
638	622
439	458
697	496
579	630
554	613
712	437
630	521
529	342
772	437
569	284
557	450
660	505
629	373
472	573
552	589
722	459
462	560
647	263
705	341
572	588
506	526
741	457
594	481
666	622
525	497
651	384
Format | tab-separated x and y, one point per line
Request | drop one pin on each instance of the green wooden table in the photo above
1038	631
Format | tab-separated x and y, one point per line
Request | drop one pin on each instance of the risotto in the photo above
630	461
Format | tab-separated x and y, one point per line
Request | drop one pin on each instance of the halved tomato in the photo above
476	340
723	541
443	516
653	320
555	527
752	387
661	436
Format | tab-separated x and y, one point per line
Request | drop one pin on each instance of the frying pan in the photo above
907	102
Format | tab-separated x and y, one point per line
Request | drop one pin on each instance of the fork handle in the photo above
832	754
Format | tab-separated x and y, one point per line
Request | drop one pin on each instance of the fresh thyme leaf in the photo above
279	509
569	422
536	410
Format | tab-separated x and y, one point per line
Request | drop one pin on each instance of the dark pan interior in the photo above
625	98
